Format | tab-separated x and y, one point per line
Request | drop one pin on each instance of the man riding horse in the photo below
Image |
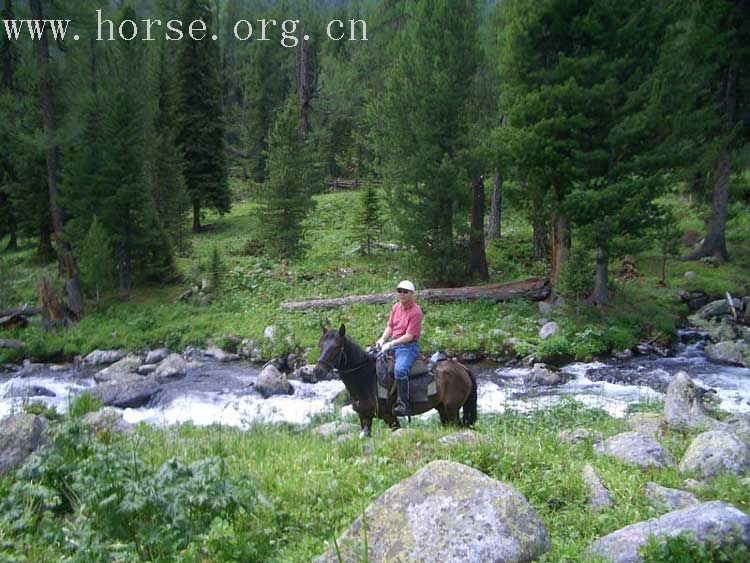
403	329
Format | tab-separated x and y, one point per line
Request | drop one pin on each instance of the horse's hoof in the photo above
364	434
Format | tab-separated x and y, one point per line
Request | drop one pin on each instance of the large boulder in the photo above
465	437
98	357
548	330
636	448
739	425
683	407
173	366
20	435
732	352
709	521
121	370
336	428
716	452
716	308
156	356
446	512
221	355
540	376
648	423
272	382
108	420
669	499
128	394
578	435
597	494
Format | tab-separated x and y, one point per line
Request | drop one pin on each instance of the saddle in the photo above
422	383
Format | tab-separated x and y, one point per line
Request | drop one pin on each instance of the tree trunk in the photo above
560	246
75	301
477	256
535	289
715	244
305	86
601	290
539	237
196	217
494	226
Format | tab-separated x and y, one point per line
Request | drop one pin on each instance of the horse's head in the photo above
332	351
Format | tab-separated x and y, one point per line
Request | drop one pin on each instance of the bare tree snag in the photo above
494	225
535	289
41	47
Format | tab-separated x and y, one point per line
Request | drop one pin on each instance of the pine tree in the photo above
421	132
96	259
369	223
8	110
285	199
170	194
202	134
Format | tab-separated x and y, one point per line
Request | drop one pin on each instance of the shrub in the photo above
685	548
83	404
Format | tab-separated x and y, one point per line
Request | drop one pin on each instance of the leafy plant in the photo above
685	548
83	404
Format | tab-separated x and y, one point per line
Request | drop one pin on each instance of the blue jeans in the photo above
406	354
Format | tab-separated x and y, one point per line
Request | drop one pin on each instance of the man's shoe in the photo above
402	403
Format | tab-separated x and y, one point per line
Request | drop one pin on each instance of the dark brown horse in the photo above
457	386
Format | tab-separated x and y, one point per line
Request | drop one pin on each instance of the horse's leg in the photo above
442	411
391	421
365	422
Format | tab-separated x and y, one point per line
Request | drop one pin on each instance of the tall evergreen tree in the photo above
369	222
286	196
8	130
421	131
202	135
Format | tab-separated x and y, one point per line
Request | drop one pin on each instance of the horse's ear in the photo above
342	331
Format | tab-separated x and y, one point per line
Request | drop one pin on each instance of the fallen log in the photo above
534	289
12	344
23	311
13	321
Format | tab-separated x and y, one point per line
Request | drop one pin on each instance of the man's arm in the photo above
386	335
405	339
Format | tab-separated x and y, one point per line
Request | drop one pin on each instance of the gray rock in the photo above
683	407
693	485
548	330
272	382
598	495
156	356
250	349
128	394
541	376
206	300
545	308
121	370
626	354
664	498
447	512
221	355
269	333
172	366
716	452
466	437
29	369
24	391
306	374
20	436
109	420
146	369
648	423
732	352
709	521
543	321
716	308
336	428
98	357
636	448
690	275
739	425
577	435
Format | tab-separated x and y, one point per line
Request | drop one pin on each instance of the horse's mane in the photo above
360	382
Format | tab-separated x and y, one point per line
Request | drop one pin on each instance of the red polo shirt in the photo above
403	320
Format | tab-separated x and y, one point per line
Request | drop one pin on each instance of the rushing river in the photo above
223	393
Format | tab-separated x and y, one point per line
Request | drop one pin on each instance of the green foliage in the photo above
202	134
369	223
286	198
84	404
217	269
421	131
117	507
685	548
40	409
95	264
577	277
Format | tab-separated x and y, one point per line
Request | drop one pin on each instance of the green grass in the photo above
254	287
310	488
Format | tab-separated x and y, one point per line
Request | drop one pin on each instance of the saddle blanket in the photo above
421	387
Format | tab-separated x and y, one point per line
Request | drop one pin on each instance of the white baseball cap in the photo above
405	284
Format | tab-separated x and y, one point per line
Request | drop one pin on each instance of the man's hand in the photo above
379	343
387	346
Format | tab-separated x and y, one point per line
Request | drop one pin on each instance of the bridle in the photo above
337	361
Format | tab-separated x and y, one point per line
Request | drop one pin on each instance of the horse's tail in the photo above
469	410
